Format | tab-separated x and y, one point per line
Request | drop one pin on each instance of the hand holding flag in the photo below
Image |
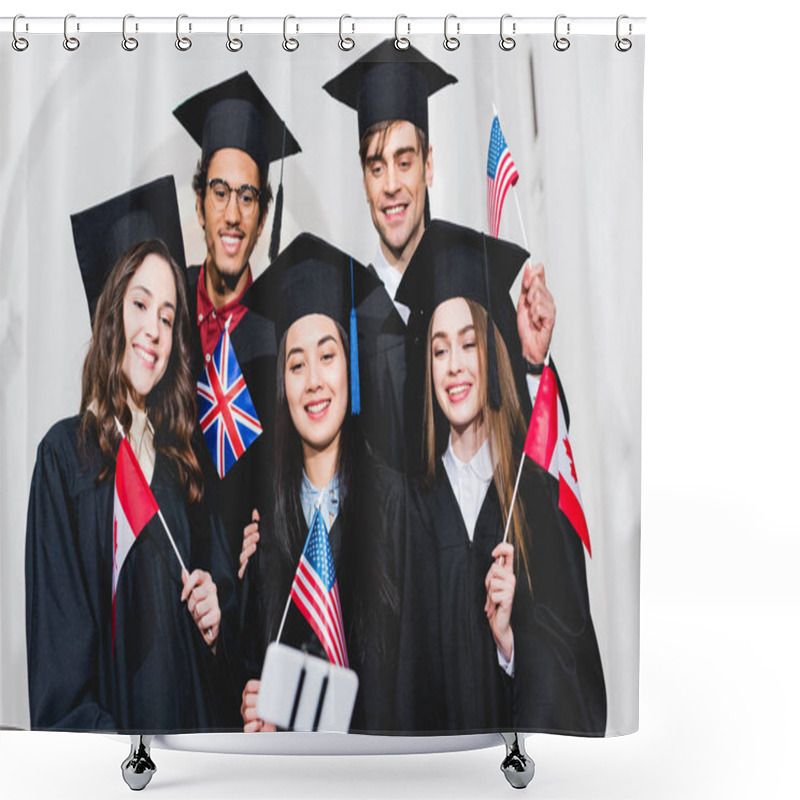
536	315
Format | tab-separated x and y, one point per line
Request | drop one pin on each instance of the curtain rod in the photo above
347	26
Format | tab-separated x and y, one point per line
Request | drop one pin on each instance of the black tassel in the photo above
275	241
427	218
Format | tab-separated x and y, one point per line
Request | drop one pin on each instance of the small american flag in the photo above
227	415
316	592
501	173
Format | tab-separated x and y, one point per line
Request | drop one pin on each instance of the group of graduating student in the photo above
390	401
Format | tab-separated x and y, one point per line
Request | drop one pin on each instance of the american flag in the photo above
316	592
227	415
501	173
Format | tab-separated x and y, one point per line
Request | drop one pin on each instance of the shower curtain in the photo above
537	147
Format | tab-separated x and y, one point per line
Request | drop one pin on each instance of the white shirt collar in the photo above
480	465
391	278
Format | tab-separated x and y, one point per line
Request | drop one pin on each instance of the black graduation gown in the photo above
161	676
246	485
452	680
372	644
382	358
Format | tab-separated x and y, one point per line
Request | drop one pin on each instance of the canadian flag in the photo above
134	507
547	443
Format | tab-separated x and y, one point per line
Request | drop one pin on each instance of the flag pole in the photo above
514	497
521	223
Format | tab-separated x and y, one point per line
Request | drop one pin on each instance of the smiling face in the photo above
456	364
148	315
315	375
230	233
396	178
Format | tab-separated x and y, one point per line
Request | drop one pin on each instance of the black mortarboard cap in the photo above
389	84
235	113
104	232
311	276
454	261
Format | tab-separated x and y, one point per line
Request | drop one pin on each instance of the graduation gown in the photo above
246	485
371	621
453	680
157	675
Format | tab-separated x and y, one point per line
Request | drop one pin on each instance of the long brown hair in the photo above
171	403
505	425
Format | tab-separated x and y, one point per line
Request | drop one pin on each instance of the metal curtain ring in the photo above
290	44
401	42
234	45
507	42
561	43
70	42
183	43
128	42
345	42
19	43
623	45
451	42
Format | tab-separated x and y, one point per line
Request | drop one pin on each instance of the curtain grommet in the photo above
289	44
19	43
183	43
561	43
623	44
401	42
71	43
451	42
507	42
129	43
346	42
233	44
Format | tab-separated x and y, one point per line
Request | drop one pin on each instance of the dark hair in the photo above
382	129
200	184
367	593
171	403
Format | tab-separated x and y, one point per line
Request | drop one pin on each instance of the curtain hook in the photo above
345	42
451	42
561	43
19	43
290	44
71	43
183	43
234	45
623	45
507	42
128	42
401	42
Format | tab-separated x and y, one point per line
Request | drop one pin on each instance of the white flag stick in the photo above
521	223
514	498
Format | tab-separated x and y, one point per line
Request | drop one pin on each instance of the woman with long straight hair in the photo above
511	644
120	636
321	461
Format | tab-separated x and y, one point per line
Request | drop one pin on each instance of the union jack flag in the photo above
316	592
501	174
225	409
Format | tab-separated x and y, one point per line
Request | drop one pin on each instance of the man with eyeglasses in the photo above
239	133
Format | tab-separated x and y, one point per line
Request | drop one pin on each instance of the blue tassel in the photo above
355	384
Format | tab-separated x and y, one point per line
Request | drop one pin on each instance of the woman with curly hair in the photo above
128	640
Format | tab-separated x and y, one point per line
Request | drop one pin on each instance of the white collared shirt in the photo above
391	278
470	483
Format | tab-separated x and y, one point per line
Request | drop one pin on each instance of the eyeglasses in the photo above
246	196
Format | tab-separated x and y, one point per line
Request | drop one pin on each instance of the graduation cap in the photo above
388	84
311	276
454	261
235	113
104	232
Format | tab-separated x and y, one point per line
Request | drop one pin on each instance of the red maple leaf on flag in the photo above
571	460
